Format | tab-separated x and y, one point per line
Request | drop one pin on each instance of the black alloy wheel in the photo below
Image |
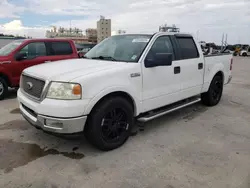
213	95
217	90
114	125
109	123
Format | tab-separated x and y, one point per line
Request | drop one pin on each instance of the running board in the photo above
168	109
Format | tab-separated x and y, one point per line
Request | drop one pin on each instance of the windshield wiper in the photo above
104	57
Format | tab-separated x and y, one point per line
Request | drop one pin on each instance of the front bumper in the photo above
52	116
54	124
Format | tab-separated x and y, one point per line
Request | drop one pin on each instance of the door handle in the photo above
200	66
47	61
177	70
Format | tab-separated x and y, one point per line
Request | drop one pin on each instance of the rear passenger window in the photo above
187	47
61	48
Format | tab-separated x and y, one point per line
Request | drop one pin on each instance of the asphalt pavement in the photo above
194	147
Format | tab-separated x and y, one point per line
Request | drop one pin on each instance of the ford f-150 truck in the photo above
20	54
123	79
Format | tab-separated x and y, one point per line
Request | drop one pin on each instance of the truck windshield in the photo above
126	48
7	49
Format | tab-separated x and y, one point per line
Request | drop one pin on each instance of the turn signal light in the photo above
77	90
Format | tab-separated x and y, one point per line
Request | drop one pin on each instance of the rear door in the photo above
59	50
192	66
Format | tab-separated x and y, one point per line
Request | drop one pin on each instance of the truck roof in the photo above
45	39
159	33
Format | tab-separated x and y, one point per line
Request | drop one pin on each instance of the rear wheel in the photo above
109	124
213	96
3	89
244	54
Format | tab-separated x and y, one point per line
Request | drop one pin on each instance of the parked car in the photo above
21	54
122	79
82	52
245	52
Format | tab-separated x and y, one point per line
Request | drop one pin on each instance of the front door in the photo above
35	54
161	85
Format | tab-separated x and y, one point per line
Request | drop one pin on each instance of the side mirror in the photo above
21	56
160	59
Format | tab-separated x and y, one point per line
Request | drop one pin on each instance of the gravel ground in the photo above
194	147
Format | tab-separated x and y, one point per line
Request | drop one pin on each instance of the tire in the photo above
244	54
118	114
3	89
213	95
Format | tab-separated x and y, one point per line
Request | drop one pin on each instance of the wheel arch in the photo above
6	78
221	74
98	99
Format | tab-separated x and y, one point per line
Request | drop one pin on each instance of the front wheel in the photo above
213	95
3	89
110	123
244	54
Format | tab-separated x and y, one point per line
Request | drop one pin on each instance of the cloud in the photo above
16	27
211	18
63	7
8	10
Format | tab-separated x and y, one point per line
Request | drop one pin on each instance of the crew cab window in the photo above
34	49
161	45
187	47
60	48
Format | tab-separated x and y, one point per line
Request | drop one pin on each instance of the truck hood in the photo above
67	70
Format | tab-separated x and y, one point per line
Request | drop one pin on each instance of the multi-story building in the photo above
103	29
73	34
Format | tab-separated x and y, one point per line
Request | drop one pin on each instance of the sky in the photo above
207	20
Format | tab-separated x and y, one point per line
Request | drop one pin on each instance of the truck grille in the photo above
32	86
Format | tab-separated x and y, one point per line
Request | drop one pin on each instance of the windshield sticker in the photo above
134	57
140	40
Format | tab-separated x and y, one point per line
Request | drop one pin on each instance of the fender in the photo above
109	90
210	72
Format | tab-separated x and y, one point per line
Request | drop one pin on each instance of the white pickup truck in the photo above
123	79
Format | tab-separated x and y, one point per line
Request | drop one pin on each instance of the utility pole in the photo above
222	42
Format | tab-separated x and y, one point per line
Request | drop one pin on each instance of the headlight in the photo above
65	91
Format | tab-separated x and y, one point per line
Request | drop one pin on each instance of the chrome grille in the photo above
32	86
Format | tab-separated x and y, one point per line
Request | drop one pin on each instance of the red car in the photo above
21	54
